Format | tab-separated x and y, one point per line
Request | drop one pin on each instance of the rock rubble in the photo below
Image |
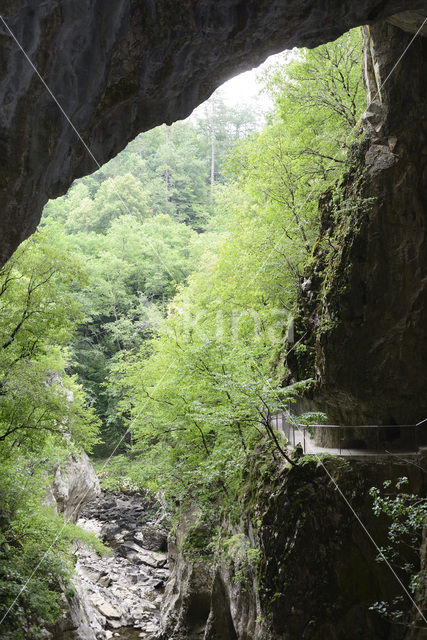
125	589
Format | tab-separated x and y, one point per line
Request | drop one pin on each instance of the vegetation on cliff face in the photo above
43	418
406	515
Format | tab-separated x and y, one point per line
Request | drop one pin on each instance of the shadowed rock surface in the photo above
74	484
314	576
123	67
363	302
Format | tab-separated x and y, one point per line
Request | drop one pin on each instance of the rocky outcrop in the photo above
299	565
136	516
363	305
78	621
74	484
120	68
186	605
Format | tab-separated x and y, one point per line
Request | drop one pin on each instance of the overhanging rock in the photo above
119	68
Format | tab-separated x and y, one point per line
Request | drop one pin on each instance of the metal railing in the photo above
364	438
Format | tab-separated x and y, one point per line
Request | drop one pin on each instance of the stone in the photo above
107	609
126	69
74	484
114	624
378	158
105	580
321	590
114	595
366	306
91	574
159	585
150	537
78	621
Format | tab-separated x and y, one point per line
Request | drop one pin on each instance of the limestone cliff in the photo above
118	68
363	305
74	484
309	569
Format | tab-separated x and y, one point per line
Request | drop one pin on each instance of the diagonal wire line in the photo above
59	534
344	144
401	56
97	164
353	511
256	275
154	250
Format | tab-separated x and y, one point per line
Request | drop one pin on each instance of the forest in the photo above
146	320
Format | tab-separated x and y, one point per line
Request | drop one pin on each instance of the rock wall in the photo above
315	576
122	67
74	484
363	303
186	605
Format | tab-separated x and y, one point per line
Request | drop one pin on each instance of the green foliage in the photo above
407	517
36	556
135	225
133	271
43	417
319	98
200	394
118	473
38	400
179	269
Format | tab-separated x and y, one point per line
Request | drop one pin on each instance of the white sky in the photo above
245	88
242	88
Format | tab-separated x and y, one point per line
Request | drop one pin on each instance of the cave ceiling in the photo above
114	69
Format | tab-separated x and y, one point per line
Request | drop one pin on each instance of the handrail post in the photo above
304	428
339	436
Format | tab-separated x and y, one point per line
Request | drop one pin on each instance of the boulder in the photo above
74	484
153	538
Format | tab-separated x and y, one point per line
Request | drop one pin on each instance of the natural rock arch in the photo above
119	68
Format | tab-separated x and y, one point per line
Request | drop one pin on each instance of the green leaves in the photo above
37	316
406	514
200	397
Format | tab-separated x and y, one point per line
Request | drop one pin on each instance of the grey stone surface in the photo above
316	574
365	306
123	590
122	67
74	484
